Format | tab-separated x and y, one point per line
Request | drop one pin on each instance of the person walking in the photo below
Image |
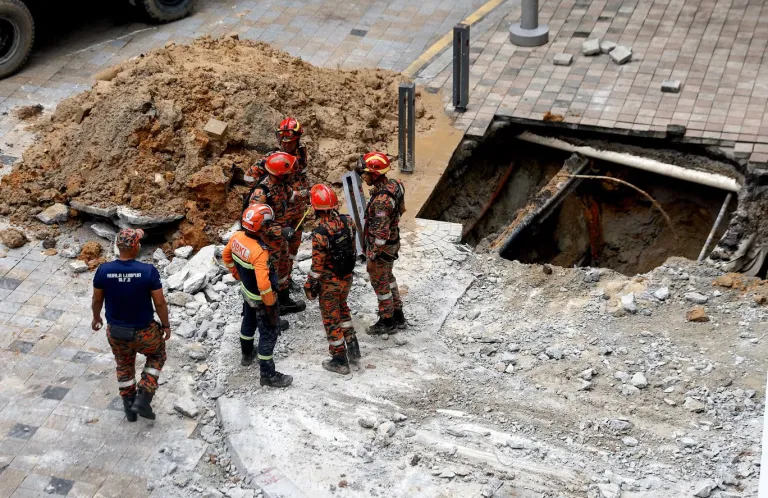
130	288
382	239
330	278
246	256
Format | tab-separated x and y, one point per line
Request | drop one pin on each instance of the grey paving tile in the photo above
55	392
22	431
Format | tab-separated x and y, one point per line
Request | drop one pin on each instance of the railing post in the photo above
406	134
353	193
460	67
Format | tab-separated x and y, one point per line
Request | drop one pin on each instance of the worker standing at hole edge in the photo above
382	239
247	258
130	288
288	135
274	189
330	278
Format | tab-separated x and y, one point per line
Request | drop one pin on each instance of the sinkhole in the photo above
508	195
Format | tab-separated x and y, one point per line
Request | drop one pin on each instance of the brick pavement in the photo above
62	428
716	48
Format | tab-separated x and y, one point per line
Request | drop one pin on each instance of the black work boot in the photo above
247	359
399	317
276	380
284	325
127	404
295	286
337	364
383	326
288	305
142	405
353	349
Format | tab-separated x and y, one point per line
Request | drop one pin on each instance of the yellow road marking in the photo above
447	39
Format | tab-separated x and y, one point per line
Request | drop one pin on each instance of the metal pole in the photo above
762	490
406	137
719	220
528	33
411	153
460	67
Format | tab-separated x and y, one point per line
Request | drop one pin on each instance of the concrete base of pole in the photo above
528	37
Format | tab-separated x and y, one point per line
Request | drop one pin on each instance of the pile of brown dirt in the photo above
138	139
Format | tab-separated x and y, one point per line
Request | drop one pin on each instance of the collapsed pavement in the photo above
508	382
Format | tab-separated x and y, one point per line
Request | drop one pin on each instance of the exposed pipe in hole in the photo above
651	165
492	200
719	220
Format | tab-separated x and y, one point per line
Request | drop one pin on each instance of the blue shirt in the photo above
127	286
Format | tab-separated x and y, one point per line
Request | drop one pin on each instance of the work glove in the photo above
287	233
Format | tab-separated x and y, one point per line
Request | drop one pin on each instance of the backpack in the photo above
342	249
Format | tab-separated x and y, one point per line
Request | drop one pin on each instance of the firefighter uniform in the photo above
382	242
149	342
332	288
296	209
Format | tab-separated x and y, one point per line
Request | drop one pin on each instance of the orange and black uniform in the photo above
332	288
248	259
382	241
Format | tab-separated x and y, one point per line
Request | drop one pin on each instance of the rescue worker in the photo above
382	239
288	135
273	188
247	258
330	278
130	288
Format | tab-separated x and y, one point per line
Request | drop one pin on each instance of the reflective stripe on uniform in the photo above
314	274
248	293
265	358
246	338
230	265
384	297
346	325
242	263
152	371
267	291
336	343
127	383
380	242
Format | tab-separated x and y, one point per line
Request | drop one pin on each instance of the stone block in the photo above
621	54
78	266
607	46
81	113
563	60
591	47
58	213
215	128
671	86
741	150
105	231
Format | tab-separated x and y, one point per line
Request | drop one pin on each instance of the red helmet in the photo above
323	198
289	130
255	216
280	163
376	163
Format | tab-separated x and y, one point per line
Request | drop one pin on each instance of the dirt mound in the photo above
138	140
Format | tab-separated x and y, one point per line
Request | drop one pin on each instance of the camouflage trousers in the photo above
151	343
384	285
337	319
287	257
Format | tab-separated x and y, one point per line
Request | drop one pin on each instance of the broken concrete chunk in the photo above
194	283
621	55
58	213
607	46
130	218
184	252
662	294
387	428
609	490
619	426
628	303
159	255
104	212
78	266
591	47
366	422
671	86
630	441
693	405
704	489
629	390
215	128
105	231
187	407
179	298
639	381
81	113
696	298
563	60
186	330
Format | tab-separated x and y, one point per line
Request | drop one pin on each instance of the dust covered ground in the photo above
137	139
508	382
